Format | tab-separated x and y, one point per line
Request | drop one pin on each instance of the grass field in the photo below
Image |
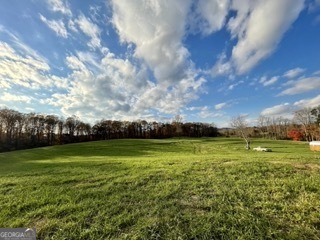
163	189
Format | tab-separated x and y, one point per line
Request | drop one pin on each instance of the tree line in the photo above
304	126
28	130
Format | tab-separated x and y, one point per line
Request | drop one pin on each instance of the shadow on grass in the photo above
90	154
111	148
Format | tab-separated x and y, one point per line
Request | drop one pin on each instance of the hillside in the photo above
163	189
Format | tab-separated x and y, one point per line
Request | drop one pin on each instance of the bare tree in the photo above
315	112
240	124
71	124
263	126
305	118
60	129
51	122
177	122
9	119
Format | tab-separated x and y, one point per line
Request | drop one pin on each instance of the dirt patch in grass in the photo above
300	166
307	166
39	223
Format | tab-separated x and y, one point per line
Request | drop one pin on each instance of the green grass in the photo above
163	189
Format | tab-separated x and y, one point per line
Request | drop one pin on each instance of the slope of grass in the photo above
163	189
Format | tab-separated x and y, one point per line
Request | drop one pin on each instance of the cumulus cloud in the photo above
100	84
118	89
156	75
258	27
19	68
302	85
156	28
56	25
209	16
105	87
292	73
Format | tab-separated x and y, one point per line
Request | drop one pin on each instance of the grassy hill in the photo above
163	189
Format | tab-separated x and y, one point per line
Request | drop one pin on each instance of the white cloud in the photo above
205	112
282	110
101	85
259	27
210	16
21	47
108	91
60	6
220	105
18	68
90	29
232	86
29	109
156	28
114	88
302	85
8	97
56	25
286	110
74	63
72	25
4	84
222	67
308	103
267	82
95	13
293	72
316	73
156	75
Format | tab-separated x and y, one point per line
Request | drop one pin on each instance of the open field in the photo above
163	189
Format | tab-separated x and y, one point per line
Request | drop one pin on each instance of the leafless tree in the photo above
12	123
71	124
177	123
263	125
305	118
51	122
240	124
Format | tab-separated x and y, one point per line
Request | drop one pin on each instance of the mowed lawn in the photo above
208	188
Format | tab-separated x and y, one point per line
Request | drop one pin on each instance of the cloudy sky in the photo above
207	60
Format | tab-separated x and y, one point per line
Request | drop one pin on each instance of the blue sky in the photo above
207	60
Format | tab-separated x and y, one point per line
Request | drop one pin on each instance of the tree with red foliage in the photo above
295	134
